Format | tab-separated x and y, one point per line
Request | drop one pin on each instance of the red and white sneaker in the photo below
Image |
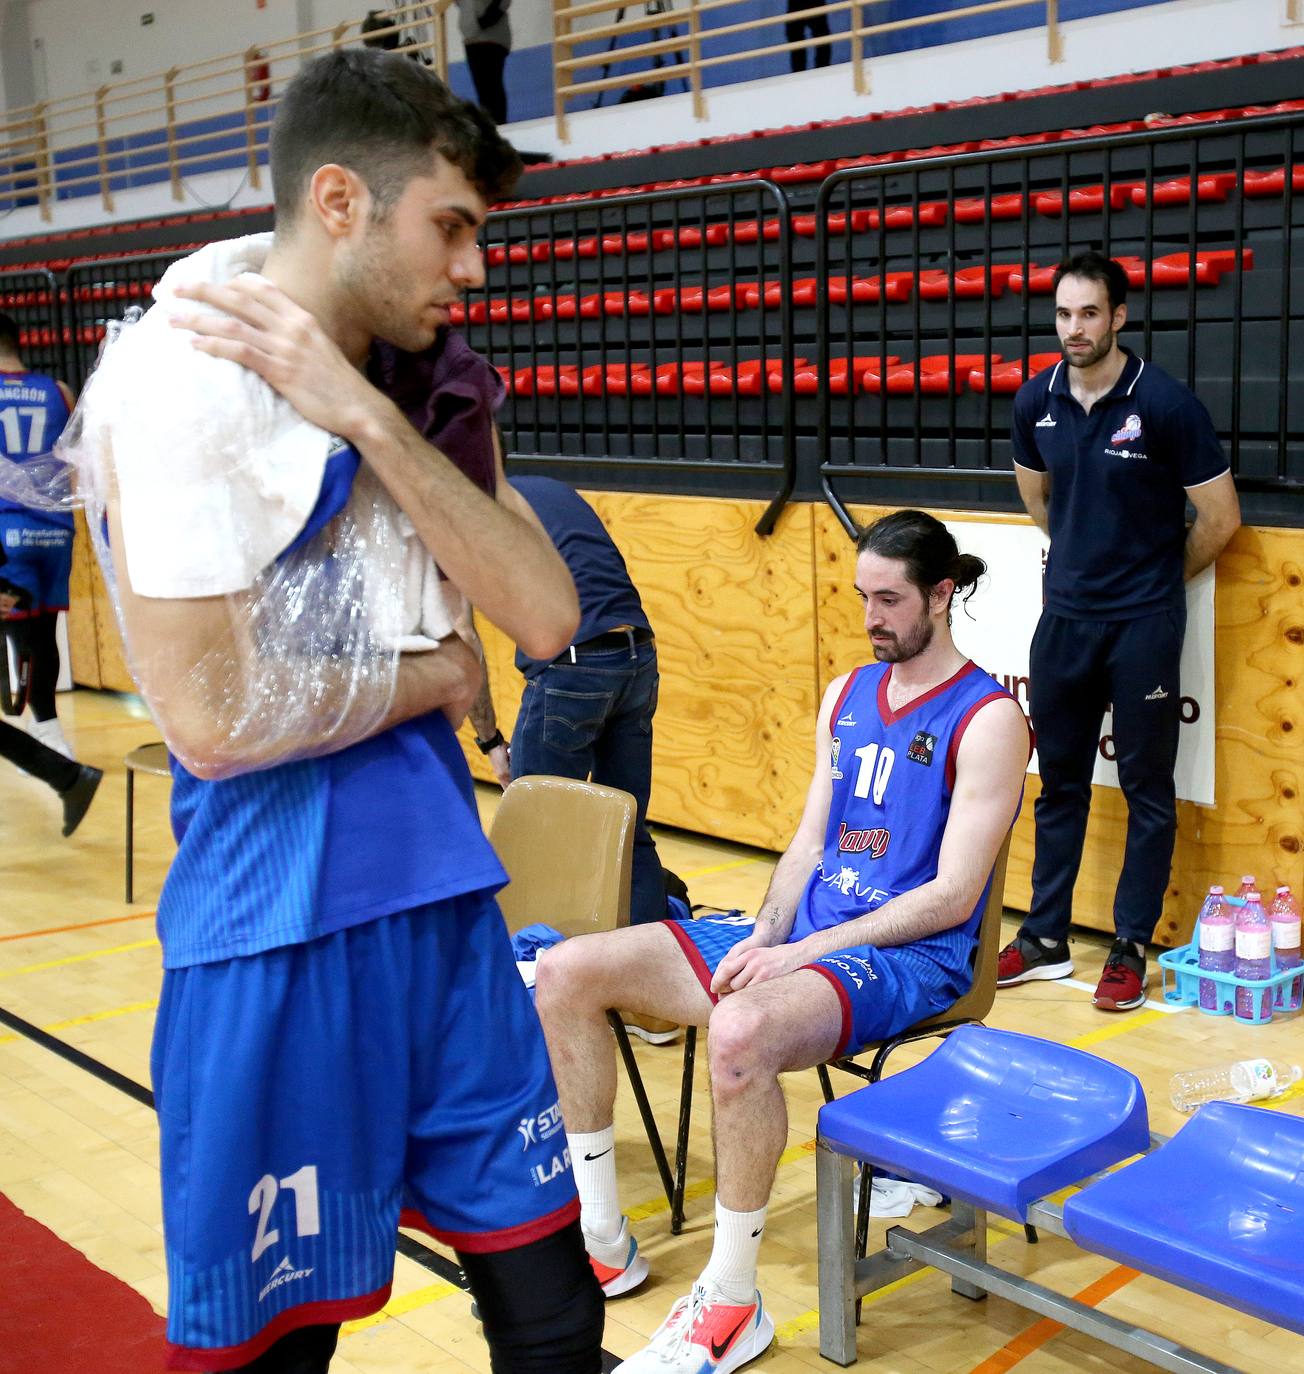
704	1334
618	1265
1122	985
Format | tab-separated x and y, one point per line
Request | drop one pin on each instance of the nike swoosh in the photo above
600	1153
718	1350
757	1233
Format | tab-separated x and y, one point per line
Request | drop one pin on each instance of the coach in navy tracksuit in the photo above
1107	450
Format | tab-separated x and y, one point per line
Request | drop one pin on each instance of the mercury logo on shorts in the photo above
284	1273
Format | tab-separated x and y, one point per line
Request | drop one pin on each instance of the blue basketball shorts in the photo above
38	559
312	1095
881	991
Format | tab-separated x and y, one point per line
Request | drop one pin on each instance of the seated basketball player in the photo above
867	927
335	964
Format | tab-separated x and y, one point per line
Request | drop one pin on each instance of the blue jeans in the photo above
592	720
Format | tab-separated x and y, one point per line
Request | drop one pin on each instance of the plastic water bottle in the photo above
1217	949
1247	886
1285	917
1248	1080
1253	960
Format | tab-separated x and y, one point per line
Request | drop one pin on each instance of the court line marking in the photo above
128	1010
78	958
1040	1332
400	1307
721	868
1155	1004
77	925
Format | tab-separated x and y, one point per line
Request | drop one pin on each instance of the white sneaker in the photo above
617	1263
704	1334
50	733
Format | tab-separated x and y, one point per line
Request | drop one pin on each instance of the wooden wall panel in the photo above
1257	825
83	643
736	648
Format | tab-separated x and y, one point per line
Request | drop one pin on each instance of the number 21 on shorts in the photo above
303	1184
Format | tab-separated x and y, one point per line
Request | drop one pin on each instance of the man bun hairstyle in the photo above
1093	266
382	116
926	547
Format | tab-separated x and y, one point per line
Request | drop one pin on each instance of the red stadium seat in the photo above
975	209
1085	200
1177	191
1274	183
1007	378
937	375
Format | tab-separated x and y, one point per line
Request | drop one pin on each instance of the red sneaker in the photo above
1122	985
1023	960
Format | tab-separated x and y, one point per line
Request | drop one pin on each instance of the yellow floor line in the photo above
130	1009
78	958
1121	1027
400	1307
720	868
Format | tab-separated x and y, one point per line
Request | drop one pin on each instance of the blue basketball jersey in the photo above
892	773
33	414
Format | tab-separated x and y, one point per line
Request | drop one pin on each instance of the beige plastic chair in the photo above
568	848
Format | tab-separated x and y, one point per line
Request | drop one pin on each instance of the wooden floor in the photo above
81	1157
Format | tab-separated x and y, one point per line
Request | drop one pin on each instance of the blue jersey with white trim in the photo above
33	414
892	774
284	855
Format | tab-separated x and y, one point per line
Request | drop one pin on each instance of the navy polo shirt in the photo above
1117	508
607	596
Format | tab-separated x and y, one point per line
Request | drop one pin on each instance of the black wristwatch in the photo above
487	746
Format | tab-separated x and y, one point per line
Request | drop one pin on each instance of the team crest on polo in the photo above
1131	430
921	748
833	759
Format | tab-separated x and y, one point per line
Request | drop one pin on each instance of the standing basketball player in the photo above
336	970
868	926
37	543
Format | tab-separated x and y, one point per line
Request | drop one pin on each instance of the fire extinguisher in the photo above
258	76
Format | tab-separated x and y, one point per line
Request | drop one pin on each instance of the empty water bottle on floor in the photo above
1253	960
1217	949
1248	1080
1284	914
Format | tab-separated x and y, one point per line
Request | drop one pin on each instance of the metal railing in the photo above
201	117
711	338
588	33
583	281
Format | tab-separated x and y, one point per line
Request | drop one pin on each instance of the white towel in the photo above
216	473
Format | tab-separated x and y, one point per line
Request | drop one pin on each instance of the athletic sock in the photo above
1047	944
731	1270
593	1159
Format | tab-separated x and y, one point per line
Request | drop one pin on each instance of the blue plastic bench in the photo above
1001	1121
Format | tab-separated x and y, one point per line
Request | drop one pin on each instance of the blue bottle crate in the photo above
1182	968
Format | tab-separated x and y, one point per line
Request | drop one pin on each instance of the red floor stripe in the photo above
76	925
63	1314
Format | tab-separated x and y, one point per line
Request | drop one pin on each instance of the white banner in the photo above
995	630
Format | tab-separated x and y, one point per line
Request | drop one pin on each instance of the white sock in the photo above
731	1270
50	733
593	1158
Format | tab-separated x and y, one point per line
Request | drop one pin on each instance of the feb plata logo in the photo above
921	748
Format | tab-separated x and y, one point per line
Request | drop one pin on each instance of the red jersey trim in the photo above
842	696
694	957
890	717
306	1314
954	749
844	1001
491	1242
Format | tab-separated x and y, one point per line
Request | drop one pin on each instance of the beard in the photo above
1093	354
901	648
379	294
